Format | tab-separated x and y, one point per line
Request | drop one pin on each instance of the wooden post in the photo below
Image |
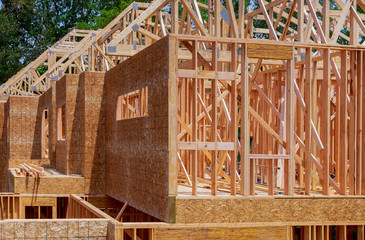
241	18
270	145
245	124
352	124
214	122
300	29
325	120
343	124
307	120
175	16
194	119
210	17
362	69
290	164
233	128
172	117
354	29
359	140
217	18
326	19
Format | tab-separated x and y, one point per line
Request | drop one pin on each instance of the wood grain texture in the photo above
223	233
48	100
137	149
3	147
269	51
269	210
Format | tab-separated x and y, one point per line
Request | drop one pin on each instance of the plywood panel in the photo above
24	138
92	131
137	149
223	233
48	100
3	146
268	51
47	185
258	209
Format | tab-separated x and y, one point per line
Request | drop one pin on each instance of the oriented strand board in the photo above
236	210
48	100
54	229
61	147
137	148
3	147
68	151
24	130
83	150
92	131
57	184
223	233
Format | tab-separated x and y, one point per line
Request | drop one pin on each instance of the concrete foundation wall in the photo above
137	148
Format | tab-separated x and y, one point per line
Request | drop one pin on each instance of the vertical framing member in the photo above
245	124
359	140
233	128
343	125
326	120
289	172
214	121
194	120
352	123
307	120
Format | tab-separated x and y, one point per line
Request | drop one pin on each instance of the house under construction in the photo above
181	120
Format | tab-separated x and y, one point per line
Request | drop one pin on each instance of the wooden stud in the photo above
343	124
245	124
307	120
325	120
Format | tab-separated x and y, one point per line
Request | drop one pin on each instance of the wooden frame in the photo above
61	122
133	104
278	156
142	24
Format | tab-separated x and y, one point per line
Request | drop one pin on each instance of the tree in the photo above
29	27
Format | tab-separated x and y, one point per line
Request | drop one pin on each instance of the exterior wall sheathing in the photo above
137	148
48	100
4	165
92	131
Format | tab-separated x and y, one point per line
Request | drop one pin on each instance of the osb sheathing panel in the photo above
269	210
61	159
68	150
48	100
48	185
137	149
222	233
73	105
83	150
3	147
92	131
24	131
54	229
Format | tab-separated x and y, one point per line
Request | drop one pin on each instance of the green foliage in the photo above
29	27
